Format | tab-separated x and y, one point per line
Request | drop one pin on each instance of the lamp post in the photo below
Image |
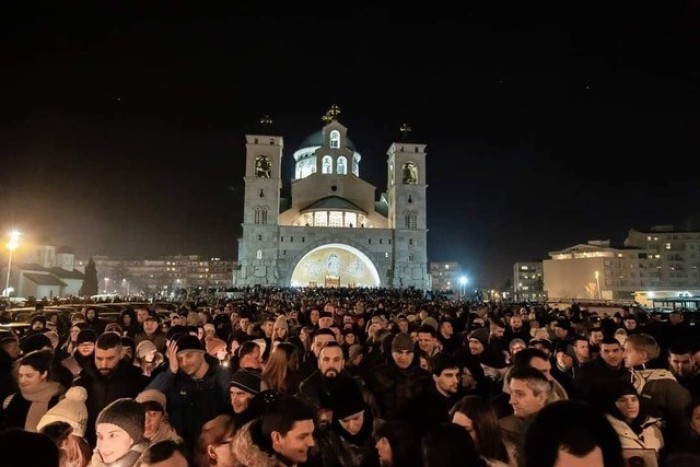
106	283
597	284
463	281
11	245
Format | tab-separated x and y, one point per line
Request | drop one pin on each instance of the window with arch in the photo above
258	255
410	219
327	167
264	216
342	165
256	219
410	173
335	139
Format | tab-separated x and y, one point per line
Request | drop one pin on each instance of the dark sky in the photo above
122	123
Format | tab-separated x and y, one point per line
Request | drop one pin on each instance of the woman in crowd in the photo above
280	330
37	392
65	423
129	323
120	441
214	444
398	445
478	418
157	427
280	370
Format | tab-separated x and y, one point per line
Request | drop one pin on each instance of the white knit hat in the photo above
71	410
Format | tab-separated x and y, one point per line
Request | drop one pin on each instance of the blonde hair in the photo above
645	343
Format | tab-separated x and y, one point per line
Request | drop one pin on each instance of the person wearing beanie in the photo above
244	386
348	438
157	427
36	394
71	410
85	342
633	426
120	440
280	330
35	342
396	382
152	332
196	387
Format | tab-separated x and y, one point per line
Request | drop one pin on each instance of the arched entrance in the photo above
335	265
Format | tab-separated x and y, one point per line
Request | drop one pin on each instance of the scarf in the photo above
39	396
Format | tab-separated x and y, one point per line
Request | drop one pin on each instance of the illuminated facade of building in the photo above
446	276
333	231
660	262
528	281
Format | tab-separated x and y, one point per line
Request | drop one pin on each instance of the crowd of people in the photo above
352	377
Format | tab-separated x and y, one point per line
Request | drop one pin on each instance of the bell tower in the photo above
258	249
406	196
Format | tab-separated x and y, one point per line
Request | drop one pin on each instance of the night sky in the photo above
122	124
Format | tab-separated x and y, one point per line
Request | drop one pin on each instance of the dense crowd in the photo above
352	377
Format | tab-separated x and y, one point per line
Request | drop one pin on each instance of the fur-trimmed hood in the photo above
247	452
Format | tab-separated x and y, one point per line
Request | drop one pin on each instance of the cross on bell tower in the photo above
405	131
332	114
266	122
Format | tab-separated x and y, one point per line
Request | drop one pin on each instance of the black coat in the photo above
126	381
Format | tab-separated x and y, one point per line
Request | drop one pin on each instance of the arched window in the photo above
258	255
355	168
262	167
264	216
341	166
257	216
335	139
410	173
327	165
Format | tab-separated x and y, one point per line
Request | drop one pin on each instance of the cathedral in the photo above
333	231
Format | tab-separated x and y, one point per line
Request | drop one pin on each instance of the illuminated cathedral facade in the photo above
334	231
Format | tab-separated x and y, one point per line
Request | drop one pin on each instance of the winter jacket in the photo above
131	459
650	438
126	381
659	391
395	387
191	403
25	408
247	450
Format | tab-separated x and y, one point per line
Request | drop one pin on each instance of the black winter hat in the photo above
190	343
441	362
36	342
247	380
346	400
86	335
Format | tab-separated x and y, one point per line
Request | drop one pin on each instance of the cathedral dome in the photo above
316	139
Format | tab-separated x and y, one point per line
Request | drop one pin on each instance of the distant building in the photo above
333	231
660	262
528	282
162	276
446	276
45	271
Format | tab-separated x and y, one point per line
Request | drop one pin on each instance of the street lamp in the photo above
106	283
11	245
463	281
597	284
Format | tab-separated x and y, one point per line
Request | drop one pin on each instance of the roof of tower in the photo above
316	139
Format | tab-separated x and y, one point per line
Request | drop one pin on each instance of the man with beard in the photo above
109	378
316	389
